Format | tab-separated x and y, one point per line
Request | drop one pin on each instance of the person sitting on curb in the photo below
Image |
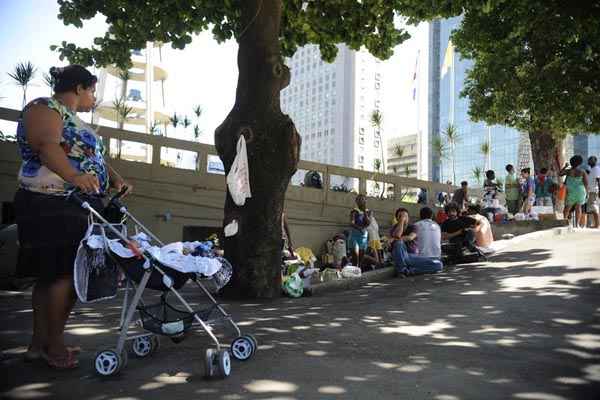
483	230
404	248
429	236
458	230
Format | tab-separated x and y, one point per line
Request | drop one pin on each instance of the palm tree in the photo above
23	75
49	81
154	130
376	123
198	111
186	122
477	174
485	150
122	110
452	138
174	120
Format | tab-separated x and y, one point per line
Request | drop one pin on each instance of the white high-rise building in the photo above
332	104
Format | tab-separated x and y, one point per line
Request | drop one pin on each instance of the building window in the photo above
361	131
376	143
361	140
361	159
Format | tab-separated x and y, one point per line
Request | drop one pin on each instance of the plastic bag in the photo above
238	180
293	286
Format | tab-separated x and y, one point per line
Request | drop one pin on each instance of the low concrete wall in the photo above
196	197
518	228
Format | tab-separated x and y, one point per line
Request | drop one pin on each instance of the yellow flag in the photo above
448	59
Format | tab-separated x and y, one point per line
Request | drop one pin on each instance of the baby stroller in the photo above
144	270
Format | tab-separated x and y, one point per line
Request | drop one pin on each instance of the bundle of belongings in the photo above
297	272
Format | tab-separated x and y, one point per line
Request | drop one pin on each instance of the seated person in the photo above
483	230
404	248
458	230
429	236
357	243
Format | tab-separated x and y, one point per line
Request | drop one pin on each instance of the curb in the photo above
388	272
354	283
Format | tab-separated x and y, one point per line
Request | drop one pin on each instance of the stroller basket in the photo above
164	319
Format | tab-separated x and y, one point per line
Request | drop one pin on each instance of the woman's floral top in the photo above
83	148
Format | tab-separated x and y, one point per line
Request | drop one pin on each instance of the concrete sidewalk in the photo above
525	326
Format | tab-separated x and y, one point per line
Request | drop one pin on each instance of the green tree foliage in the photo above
535	67
325	23
267	31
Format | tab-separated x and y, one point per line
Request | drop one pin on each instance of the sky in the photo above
204	73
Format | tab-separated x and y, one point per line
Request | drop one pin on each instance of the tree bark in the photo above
273	147
547	151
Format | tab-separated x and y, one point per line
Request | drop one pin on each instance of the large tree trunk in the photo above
273	146
547	151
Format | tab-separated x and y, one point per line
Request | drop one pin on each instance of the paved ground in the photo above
526	326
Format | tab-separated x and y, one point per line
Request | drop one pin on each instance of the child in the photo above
527	190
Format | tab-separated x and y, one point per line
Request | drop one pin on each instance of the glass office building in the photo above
453	109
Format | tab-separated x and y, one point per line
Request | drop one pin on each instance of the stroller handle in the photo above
74	196
115	199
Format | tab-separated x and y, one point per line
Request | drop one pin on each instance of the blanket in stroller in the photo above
177	256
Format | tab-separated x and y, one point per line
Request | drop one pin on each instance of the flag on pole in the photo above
414	91
448	59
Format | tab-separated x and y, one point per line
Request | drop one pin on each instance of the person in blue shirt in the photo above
527	190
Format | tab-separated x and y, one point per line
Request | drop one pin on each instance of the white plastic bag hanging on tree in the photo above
238	180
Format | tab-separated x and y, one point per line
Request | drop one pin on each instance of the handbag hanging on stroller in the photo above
106	249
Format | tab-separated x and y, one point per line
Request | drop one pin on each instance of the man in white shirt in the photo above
429	236
593	189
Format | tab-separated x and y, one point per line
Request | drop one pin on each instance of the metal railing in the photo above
394	184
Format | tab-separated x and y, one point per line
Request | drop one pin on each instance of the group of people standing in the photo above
578	191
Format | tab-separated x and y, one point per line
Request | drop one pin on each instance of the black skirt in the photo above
49	229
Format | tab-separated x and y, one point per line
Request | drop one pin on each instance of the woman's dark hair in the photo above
509	168
526	171
543	170
401	209
426	213
576	161
66	79
490	174
451	206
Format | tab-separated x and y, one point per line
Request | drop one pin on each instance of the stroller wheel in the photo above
108	362
254	341
143	346
223	364
209	363
242	348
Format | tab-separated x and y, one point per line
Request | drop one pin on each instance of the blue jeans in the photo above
414	265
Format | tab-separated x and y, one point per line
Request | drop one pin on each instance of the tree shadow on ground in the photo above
518	327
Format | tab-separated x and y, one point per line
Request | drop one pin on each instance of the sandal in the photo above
34	355
62	362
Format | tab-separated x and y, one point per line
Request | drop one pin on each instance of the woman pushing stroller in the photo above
60	153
